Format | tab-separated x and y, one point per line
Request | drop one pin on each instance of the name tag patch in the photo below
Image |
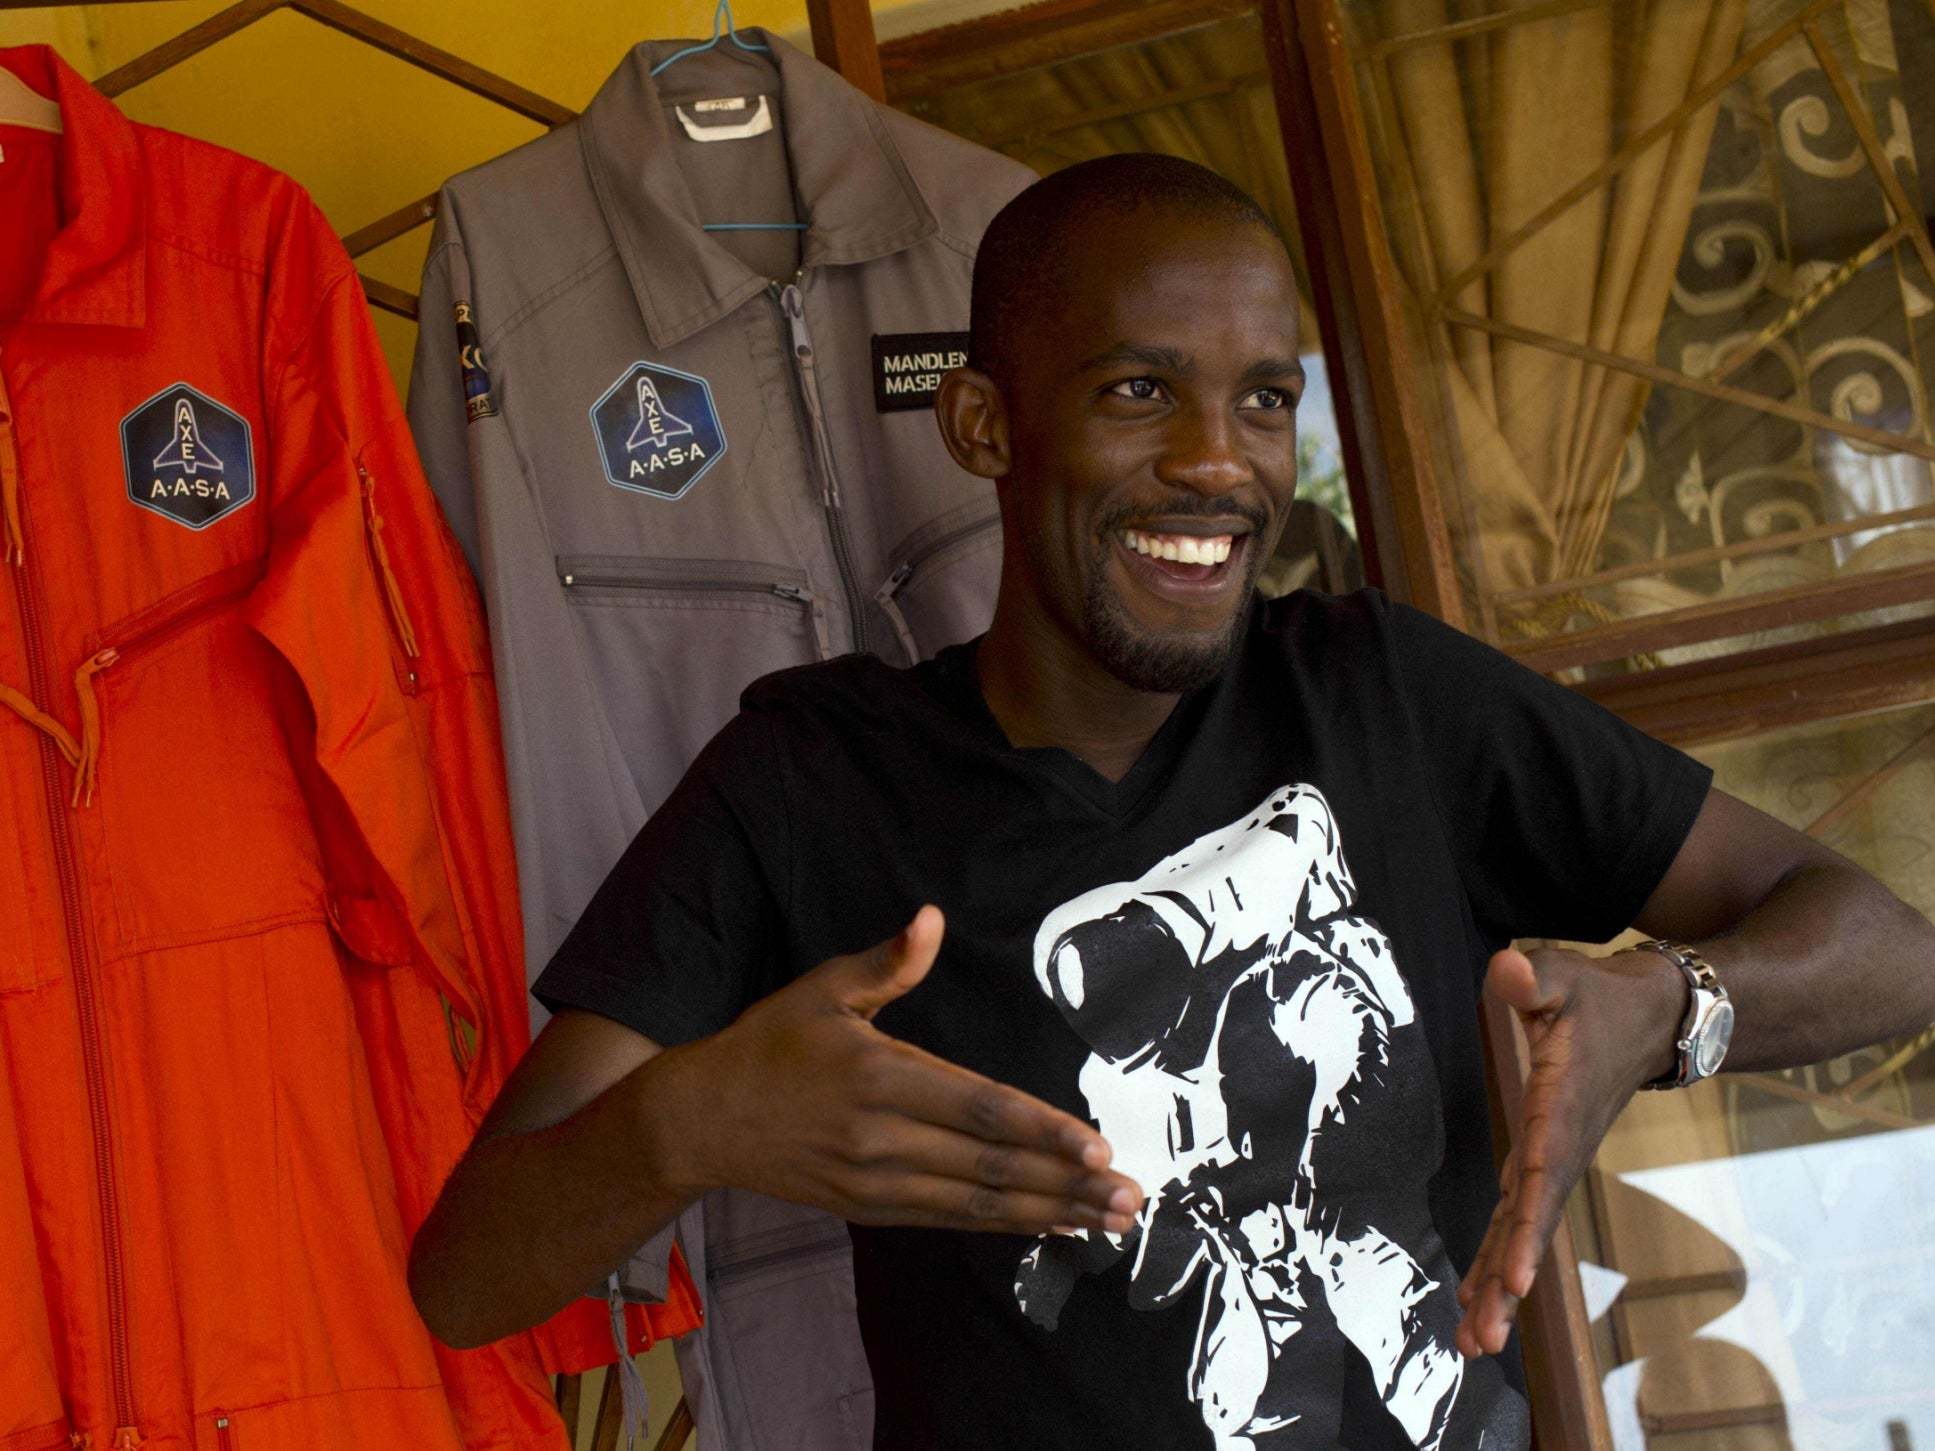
657	429
187	457
907	367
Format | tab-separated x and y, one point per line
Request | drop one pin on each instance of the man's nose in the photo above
1201	455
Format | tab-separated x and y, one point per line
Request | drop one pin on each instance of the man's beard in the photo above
1144	659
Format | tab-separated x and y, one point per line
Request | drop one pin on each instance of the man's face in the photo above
1152	439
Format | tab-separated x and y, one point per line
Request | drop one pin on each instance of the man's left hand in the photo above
1598	1028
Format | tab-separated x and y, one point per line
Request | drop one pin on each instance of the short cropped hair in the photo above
1023	255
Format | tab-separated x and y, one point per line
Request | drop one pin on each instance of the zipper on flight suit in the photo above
797	593
86	991
806	377
888	595
823	1242
150	627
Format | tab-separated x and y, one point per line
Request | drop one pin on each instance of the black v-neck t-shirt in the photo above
1253	962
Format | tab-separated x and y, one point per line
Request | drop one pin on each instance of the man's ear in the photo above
974	422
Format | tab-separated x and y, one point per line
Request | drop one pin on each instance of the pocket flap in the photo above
371	930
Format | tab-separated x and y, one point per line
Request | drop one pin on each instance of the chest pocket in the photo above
207	832
942	587
672	643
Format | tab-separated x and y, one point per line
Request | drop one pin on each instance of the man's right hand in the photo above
804	1099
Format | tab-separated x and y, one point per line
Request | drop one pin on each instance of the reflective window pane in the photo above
1758	1251
1675	300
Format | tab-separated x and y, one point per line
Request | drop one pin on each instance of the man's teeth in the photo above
1183	548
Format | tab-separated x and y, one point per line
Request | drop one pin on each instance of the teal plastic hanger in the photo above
723	16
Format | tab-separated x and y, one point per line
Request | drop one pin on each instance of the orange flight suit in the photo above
260	971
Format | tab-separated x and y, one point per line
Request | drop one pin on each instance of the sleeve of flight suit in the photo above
366	597
439	409
474	471
574	803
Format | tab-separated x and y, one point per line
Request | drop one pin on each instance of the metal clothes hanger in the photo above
722	15
22	105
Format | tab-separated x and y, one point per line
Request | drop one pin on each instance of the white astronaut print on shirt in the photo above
1256	1064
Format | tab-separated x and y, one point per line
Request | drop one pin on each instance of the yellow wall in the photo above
364	132
64	28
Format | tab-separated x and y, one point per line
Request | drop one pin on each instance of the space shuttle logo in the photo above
657	425
186	450
657	430
187	457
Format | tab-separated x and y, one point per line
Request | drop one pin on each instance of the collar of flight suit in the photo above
95	272
859	199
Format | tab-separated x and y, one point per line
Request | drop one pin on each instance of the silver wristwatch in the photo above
1708	1026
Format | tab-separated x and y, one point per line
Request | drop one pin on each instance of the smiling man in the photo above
1175	1134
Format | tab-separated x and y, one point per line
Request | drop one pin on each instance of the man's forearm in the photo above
1829	962
800	1098
1818	957
530	1221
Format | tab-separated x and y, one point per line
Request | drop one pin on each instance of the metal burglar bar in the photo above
1704	622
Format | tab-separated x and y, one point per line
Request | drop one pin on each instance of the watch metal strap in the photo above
1700	977
1699	972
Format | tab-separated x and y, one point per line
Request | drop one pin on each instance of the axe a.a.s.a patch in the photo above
658	431
187	457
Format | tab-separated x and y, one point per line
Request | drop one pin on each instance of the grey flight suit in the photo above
673	474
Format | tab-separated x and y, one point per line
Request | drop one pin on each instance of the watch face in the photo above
1710	1045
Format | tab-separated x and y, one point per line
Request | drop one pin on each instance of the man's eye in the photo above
1137	388
1270	398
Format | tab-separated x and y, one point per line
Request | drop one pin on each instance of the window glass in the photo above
1758	1251
1673	288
